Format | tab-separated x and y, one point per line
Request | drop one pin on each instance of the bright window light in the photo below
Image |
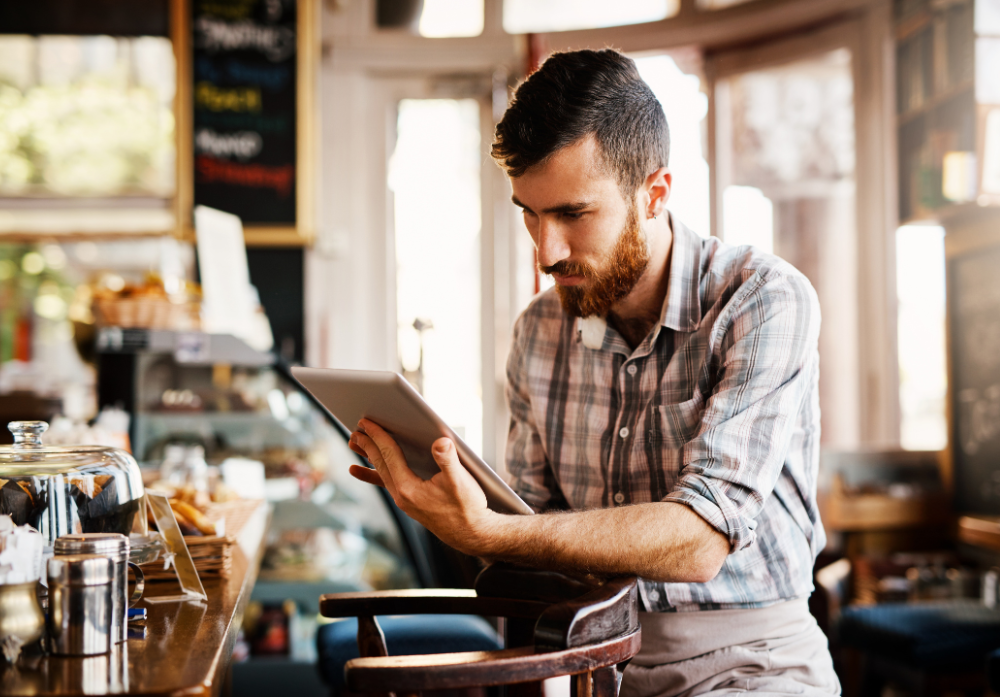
451	18
748	217
923	380
434	175
685	106
526	16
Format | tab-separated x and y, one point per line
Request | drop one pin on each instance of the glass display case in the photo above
328	532
214	391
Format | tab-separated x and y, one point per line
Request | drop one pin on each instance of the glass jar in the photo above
61	490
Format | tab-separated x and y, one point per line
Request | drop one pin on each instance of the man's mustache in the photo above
568	268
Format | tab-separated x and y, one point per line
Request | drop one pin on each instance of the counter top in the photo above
187	650
980	530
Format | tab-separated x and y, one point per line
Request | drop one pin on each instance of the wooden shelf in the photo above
935	101
854	513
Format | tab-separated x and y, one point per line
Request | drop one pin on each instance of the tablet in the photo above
390	401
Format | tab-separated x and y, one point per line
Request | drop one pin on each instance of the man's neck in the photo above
638	312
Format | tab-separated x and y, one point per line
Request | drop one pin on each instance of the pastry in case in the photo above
60	490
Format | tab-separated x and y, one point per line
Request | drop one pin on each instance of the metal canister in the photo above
116	547
80	604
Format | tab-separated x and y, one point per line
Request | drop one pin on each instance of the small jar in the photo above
116	548
80	605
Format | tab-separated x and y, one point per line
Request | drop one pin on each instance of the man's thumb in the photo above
444	453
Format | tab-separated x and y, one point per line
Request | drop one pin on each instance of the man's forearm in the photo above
657	541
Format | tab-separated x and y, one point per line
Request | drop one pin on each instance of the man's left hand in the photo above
451	504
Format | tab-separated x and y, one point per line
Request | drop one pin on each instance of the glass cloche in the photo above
63	489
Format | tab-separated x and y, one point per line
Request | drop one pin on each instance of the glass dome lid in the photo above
28	451
60	490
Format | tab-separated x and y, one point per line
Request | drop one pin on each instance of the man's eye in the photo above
571	215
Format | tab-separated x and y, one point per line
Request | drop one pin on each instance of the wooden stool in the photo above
554	626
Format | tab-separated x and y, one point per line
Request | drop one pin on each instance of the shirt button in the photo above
632	370
654	595
624	432
619	497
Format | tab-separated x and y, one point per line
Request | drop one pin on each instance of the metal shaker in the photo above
80	604
116	547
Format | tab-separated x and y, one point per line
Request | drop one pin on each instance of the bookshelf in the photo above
947	105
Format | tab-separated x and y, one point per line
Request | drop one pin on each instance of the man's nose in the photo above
551	243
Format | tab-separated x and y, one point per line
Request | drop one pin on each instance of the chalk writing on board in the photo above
242	145
244	94
277	43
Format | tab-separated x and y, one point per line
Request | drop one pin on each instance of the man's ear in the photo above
657	186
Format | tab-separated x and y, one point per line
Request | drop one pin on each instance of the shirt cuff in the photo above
706	498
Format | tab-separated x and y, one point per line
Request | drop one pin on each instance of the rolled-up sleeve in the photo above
768	363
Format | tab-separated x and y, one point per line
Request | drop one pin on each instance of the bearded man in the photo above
663	398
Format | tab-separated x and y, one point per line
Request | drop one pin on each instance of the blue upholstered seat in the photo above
939	636
336	642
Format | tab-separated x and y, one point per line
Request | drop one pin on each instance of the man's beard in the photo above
625	265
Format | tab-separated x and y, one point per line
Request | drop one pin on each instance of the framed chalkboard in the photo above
246	113
974	351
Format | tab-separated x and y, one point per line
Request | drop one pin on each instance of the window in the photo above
787	183
923	381
448	18
434	175
82	118
686	107
526	16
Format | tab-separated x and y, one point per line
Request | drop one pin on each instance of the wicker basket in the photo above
213	555
147	313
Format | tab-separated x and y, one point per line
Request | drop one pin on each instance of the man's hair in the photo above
579	93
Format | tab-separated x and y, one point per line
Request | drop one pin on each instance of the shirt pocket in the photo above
676	424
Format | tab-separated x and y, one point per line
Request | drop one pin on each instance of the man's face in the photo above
587	235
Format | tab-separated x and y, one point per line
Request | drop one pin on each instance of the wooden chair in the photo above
554	625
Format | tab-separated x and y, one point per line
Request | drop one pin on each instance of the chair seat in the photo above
940	636
336	642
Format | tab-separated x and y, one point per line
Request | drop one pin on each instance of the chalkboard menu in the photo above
244	98
974	319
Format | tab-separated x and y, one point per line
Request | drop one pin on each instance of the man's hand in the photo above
658	541
451	504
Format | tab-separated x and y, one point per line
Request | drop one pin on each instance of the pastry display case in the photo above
216	396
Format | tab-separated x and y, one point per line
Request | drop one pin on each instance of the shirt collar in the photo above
682	306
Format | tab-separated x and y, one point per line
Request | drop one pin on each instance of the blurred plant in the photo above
33	291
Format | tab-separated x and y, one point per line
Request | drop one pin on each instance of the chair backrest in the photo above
556	625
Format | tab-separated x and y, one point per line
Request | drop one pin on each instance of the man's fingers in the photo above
392	456
366	475
374	454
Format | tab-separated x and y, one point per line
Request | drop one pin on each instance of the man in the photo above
664	405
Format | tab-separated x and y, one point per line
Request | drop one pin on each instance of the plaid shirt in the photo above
717	409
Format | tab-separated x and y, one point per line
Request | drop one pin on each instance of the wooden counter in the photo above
982	531
187	649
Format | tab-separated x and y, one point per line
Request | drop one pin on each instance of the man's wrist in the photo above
492	535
